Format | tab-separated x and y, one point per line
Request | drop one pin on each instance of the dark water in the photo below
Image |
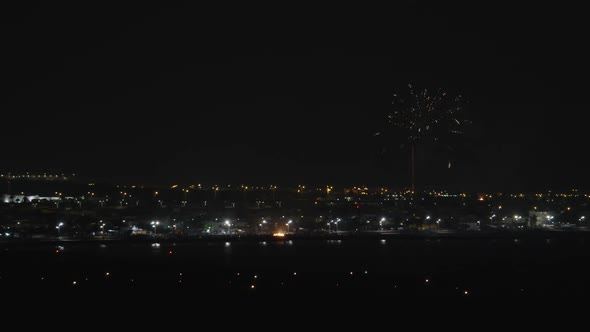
456	267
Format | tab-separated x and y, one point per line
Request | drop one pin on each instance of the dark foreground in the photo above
455	267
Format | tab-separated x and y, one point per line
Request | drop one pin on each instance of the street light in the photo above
262	225
154	224
228	226
381	222
290	221
58	228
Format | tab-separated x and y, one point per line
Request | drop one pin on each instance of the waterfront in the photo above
460	266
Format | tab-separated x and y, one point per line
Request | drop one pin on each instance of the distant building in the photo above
27	198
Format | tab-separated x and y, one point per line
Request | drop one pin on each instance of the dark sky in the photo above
291	94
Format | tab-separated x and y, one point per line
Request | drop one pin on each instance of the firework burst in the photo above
419	116
426	114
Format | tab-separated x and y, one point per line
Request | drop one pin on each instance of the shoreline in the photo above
406	235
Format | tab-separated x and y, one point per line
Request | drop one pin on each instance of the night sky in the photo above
290	95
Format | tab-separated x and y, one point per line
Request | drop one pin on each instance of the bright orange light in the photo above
481	198
278	234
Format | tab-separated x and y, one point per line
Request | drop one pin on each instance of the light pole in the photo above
290	221
154	224
121	228
228	226
58	229
381	223
336	223
329	228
